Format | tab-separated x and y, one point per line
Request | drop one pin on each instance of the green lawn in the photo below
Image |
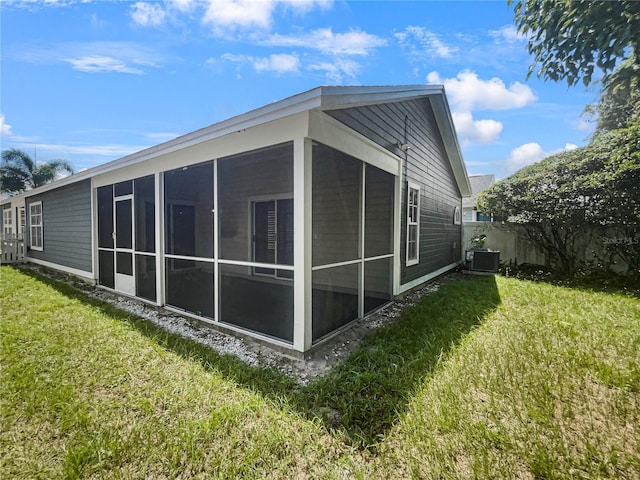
486	378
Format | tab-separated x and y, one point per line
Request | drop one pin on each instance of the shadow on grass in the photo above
365	395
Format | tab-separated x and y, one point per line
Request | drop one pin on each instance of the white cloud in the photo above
507	33
353	42
279	63
480	132
5	128
530	153
100	64
421	43
94	57
337	70
112	150
181	5
224	15
161	136
524	155
230	14
468	92
148	14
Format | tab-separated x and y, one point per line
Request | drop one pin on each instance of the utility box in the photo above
484	260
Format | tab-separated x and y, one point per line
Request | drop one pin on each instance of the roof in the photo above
478	184
320	98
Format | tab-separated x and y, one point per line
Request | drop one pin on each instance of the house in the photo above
470	211
285	223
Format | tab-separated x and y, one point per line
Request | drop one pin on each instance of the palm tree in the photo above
19	171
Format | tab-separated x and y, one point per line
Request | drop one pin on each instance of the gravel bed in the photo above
315	364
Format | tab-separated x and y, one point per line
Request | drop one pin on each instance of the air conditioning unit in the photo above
485	261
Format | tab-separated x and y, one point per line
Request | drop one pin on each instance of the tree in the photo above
619	102
19	171
588	196
570	38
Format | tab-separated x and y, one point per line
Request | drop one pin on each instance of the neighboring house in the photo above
285	223
470	211
13	220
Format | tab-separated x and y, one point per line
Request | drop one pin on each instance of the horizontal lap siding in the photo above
427	166
66	226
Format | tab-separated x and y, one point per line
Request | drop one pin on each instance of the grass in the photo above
486	378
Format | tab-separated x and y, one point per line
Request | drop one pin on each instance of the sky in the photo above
92	81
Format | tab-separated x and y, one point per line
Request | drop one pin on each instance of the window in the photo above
273	235
413	224
457	217
7	222
35	218
23	222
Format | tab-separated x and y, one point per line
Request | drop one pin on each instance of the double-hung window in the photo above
413	224
7	227
35	221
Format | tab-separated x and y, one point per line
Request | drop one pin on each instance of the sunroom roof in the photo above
320	98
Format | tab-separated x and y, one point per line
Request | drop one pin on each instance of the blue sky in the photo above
92	81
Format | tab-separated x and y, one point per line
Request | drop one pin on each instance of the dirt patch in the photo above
317	363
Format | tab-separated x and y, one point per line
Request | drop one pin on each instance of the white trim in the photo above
94	232
160	246
413	261
87	276
237	142
271	266
39	248
379	257
232	328
425	278
397	235
330	132
362	213
337	264
139	299
457	216
123	282
216	246
183	257
302	221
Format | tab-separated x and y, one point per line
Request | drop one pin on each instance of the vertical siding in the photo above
413	122
66	225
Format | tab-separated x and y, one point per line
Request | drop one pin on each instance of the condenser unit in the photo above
485	261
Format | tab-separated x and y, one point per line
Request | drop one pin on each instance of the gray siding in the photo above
66	225
413	122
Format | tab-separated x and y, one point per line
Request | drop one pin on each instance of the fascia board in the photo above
450	140
348	97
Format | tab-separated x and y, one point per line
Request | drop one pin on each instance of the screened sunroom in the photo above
225	249
284	224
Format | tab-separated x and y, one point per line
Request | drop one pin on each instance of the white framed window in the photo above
413	224
35	222
7	221
23	222
457	217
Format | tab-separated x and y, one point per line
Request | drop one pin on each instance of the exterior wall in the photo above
66	226
413	123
